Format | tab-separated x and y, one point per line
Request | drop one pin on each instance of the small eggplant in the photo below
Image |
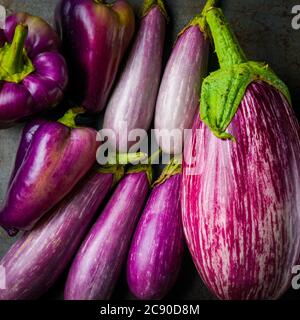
57	157
33	73
177	100
157	247
95	36
38	258
98	263
132	103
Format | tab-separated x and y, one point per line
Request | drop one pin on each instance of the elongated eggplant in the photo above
97	265
132	103
37	259
157	247
57	157
241	193
177	100
95	36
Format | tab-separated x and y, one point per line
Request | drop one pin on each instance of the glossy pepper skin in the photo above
33	75
95	36
55	158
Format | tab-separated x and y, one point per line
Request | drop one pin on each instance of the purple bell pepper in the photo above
33	75
56	155
95	36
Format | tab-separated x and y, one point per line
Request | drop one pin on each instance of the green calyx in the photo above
199	20
147	168
173	168
15	64
126	158
223	90
69	118
117	171
150	4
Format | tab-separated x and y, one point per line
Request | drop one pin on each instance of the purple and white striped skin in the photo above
56	159
178	97
156	250
38	258
241	201
95	36
98	263
132	103
41	88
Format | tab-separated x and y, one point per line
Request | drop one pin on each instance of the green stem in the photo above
99	1
149	4
154	156
12	61
125	158
227	47
173	168
69	118
199	20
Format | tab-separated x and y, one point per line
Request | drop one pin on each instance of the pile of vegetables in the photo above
231	190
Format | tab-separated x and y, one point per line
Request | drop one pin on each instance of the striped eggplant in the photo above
98	263
132	103
241	177
37	259
177	100
156	250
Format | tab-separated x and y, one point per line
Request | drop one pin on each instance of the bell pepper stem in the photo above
12	61
69	118
227	47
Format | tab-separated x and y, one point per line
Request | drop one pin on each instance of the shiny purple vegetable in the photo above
178	95
98	263
33	74
56	158
241	177
38	258
132	103
157	247
95	36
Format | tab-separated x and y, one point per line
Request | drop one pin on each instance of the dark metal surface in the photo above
265	32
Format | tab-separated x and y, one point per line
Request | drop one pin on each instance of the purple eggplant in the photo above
98	263
132	103
95	36
38	258
157	247
241	177
56	158
177	100
33	74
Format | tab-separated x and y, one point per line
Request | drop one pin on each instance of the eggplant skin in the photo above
38	258
98	263
177	100
241	209
132	103
156	251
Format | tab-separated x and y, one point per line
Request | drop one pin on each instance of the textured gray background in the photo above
264	30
